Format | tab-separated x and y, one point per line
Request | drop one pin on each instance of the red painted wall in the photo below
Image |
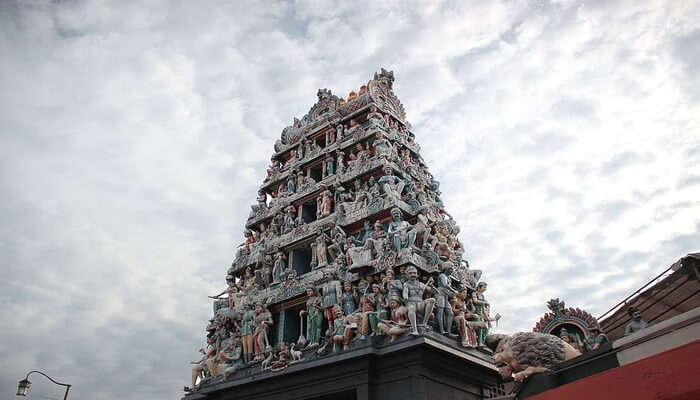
671	375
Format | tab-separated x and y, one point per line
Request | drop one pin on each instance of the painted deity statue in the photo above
279	266
331	293
263	322
382	147
314	317
349	299
391	184
320	250
324	203
445	316
247	330
481	310
398	324
401	232
413	291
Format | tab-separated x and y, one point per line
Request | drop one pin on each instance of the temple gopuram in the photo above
351	282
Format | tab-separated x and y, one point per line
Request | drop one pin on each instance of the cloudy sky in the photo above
133	136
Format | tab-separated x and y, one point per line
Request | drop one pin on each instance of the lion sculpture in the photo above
524	353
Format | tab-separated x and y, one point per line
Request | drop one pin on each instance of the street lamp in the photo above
24	384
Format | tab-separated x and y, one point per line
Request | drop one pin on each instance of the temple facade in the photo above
349	254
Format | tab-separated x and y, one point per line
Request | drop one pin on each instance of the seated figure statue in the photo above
402	234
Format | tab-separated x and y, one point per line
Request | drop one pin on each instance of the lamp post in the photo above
24	384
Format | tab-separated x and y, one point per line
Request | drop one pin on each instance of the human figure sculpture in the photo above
367	307
381	306
573	340
314	317
422	227
199	368
277	223
595	339
636	323
391	184
279	266
291	184
261	199
401	232
337	247
440	243
247	330
382	147
324	203
331	293
263	322
445	316
360	157
339	162
223	363
330	165
413	291
481	309
349	299
339	131
391	286
342	331
463	317
398	324
289	219
320	250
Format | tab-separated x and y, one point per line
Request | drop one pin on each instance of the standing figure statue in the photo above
314	317
402	233
289	219
413	291
263	322
339	162
324	203
445	316
368	307
331	294
319	250
481	309
462	316
391	286
291	184
279	266
330	165
349	298
247	329
337	247
339	132
341	330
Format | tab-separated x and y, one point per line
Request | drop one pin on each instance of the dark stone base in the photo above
424	367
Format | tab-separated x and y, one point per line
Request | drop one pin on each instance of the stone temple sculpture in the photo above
348	244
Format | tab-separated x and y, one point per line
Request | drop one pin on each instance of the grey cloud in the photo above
549	142
687	50
688	180
575	108
623	160
612	210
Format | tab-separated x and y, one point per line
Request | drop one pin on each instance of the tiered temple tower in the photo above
351	282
